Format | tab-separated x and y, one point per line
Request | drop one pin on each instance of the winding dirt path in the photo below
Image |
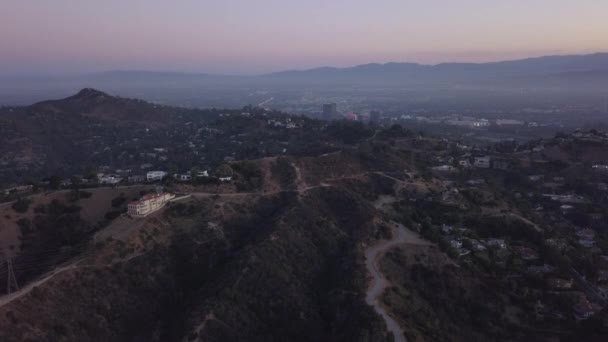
379	283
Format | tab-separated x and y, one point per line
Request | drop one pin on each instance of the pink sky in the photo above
245	36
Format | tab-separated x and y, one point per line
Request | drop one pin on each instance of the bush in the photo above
76	195
21	205
118	201
25	226
85	194
111	215
284	172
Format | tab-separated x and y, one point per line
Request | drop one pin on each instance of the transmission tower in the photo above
11	283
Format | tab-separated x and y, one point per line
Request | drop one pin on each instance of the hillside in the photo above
91	129
323	232
286	265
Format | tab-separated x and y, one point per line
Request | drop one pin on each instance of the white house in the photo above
183	177
496	243
149	204
465	163
110	179
154	176
444	168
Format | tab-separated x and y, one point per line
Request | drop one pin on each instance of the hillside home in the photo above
585	310
501	165
155	176
110	179
149	204
183	177
482	162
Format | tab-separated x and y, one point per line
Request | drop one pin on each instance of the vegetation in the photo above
284	172
21	205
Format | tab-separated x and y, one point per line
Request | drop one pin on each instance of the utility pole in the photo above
11	283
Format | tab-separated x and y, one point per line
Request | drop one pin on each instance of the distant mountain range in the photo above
588	73
569	66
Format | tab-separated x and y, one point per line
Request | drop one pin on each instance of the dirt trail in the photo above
300	182
379	283
373	256
29	287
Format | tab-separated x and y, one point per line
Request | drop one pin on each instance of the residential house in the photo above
482	162
465	163
155	176
110	179
585	309
444	168
496	243
136	179
501	165
559	283
148	204
183	177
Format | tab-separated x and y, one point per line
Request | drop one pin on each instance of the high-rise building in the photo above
330	110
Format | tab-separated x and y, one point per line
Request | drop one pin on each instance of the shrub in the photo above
25	226
110	215
118	201
21	205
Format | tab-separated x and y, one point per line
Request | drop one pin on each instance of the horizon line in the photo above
201	73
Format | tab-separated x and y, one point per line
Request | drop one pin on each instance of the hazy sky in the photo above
251	36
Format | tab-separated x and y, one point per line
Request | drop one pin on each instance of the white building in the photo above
149	204
109	179
226	179
496	243
444	168
465	163
482	162
509	122
183	177
154	176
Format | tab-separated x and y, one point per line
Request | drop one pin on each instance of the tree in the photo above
76	181
54	182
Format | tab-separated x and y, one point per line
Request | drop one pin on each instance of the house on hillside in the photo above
501	165
465	163
499	243
148	204
482	162
110	179
155	176
183	177
136	179
584	309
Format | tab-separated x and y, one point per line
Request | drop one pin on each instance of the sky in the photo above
258	36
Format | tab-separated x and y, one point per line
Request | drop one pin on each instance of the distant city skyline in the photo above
252	37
